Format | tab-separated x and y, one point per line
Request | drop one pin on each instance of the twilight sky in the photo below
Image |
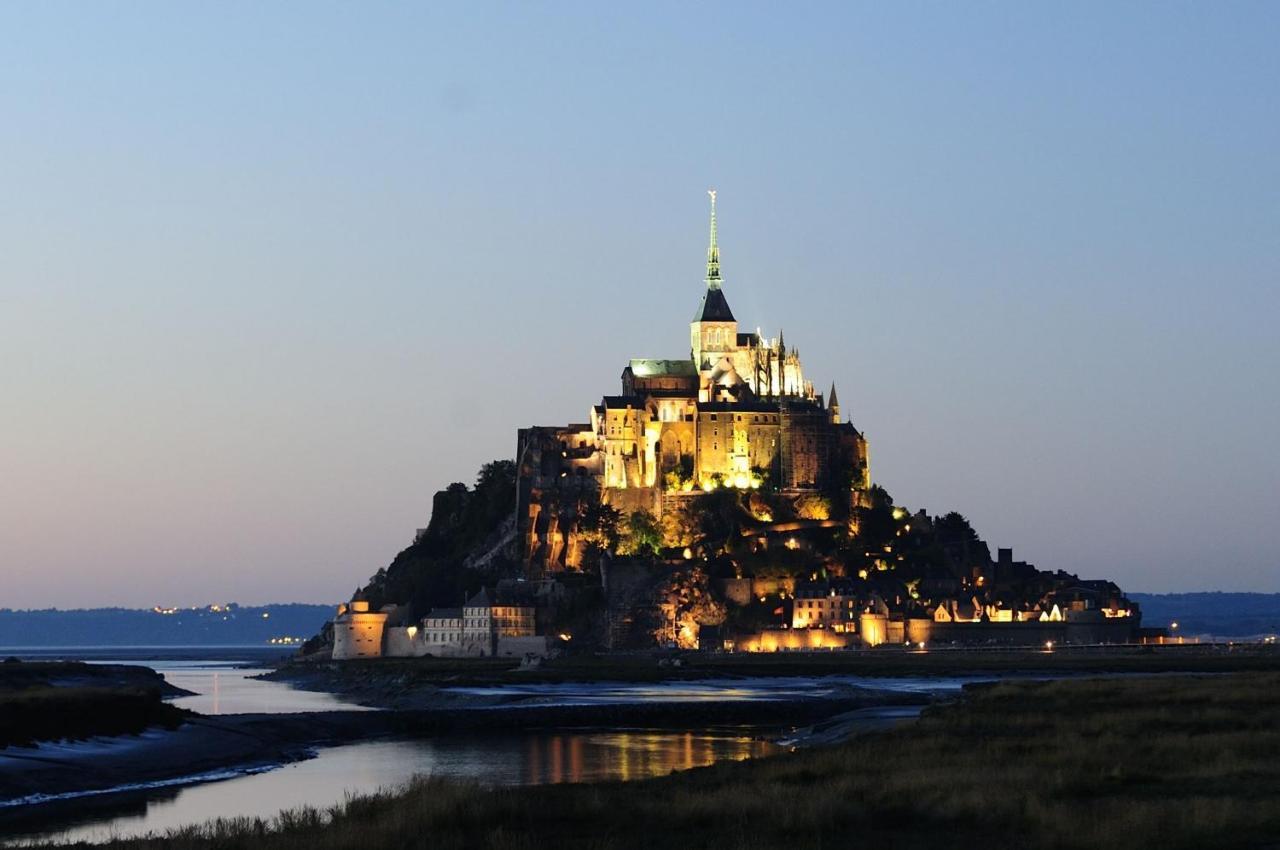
272	274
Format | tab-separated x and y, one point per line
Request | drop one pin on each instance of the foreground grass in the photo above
1168	762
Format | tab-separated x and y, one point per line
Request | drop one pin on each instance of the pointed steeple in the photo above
832	401
714	307
713	250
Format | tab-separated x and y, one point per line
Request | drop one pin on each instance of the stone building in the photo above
482	627
442	632
832	605
736	412
357	631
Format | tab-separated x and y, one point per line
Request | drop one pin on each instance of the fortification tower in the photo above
357	631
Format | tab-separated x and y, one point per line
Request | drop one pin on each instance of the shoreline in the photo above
206	745
406	682
1018	759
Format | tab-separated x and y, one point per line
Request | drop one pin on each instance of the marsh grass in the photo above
1170	762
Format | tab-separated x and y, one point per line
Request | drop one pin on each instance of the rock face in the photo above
687	604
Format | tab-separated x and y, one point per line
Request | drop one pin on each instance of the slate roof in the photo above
714	307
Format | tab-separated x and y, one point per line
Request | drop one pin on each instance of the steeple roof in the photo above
833	401
713	250
714	307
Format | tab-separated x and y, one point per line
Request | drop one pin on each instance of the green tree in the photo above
641	535
600	524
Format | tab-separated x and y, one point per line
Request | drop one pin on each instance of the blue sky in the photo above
270	275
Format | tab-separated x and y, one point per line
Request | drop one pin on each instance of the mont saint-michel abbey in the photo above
719	502
737	412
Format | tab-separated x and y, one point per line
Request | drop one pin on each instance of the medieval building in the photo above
736	412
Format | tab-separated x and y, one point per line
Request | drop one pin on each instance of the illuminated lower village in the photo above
718	502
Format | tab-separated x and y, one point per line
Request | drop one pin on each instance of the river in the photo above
222	687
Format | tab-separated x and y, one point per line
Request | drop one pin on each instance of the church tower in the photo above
714	331
833	405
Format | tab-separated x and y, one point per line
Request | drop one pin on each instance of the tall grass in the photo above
1161	762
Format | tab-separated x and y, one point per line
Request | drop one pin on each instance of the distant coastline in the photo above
281	626
1213	613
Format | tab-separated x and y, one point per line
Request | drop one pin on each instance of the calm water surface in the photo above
337	772
223	687
523	759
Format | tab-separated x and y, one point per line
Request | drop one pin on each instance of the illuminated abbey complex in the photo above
737	412
720	502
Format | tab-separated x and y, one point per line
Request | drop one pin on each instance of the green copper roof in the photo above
645	368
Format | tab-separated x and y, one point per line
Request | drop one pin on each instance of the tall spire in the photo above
713	250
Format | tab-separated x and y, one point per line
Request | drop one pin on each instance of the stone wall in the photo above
519	647
794	640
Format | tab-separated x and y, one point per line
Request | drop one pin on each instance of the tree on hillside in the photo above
641	534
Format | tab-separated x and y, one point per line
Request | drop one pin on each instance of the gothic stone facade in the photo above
737	411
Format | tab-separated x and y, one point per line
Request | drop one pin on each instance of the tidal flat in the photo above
417	682
1185	761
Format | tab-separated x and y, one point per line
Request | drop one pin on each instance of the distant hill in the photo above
1218	614
213	625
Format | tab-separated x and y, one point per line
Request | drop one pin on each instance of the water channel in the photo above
222	687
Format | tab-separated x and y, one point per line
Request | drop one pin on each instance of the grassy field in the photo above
1156	762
